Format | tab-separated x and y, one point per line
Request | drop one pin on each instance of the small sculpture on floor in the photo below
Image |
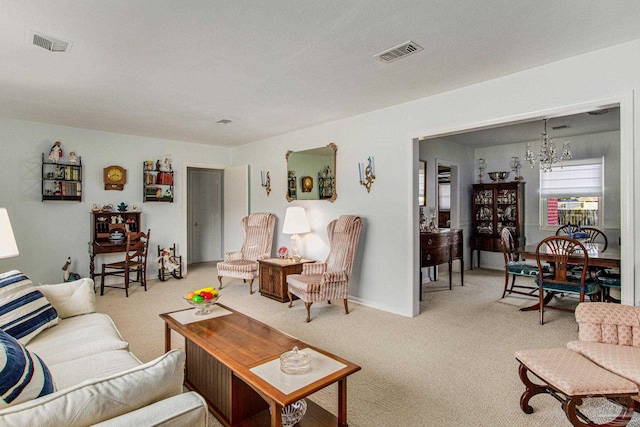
68	275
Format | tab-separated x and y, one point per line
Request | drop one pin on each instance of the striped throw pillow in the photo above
24	311
23	375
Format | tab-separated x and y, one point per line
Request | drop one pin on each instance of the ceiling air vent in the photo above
406	48
52	44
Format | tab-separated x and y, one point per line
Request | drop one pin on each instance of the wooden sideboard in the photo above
439	247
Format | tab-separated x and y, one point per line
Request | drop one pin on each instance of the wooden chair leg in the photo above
250	286
308	305
541	307
506	284
126	282
346	306
290	299
102	282
220	280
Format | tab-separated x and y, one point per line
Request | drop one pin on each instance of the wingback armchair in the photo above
257	229
329	280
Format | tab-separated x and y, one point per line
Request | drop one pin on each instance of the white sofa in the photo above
97	380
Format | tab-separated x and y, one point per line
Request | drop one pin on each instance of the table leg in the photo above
450	264
92	266
461	272
342	403
276	414
167	337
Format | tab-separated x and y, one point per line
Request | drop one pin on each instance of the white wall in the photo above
48	232
387	276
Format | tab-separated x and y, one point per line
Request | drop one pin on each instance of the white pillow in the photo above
93	401
24	311
71	298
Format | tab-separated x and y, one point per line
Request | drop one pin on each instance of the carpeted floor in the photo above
453	365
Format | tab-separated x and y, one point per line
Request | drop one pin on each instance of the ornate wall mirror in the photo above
311	174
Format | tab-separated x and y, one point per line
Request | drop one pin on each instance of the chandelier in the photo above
547	156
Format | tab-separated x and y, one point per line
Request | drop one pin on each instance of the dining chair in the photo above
257	230
513	267
135	261
565	253
563	230
329	280
596	236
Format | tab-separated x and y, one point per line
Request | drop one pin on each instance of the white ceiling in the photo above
171	69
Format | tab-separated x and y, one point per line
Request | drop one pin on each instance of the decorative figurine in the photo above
69	276
134	208
95	208
73	159
283	252
166	166
157	165
58	188
56	152
122	207
167	194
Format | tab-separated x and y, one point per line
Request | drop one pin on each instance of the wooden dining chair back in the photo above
513	267
563	230
565	253
596	236
135	261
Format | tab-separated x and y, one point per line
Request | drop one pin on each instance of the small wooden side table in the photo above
273	276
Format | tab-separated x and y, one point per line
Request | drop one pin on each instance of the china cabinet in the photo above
496	206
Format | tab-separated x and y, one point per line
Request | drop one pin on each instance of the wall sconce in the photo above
265	181
369	174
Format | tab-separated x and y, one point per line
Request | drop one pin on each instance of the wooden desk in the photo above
597	258
102	224
273	276
439	247
221	353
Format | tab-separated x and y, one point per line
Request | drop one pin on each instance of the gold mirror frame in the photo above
293	177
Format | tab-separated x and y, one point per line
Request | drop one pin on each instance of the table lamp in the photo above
295	222
8	246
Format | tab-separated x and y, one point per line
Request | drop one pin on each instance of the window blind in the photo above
576	178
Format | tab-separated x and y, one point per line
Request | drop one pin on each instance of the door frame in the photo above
627	197
185	226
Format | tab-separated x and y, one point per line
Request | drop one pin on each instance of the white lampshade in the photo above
295	221
8	246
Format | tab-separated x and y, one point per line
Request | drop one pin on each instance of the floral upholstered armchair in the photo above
329	280
257	229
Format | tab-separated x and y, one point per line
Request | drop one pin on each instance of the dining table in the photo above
609	258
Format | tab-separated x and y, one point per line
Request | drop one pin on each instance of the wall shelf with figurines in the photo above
61	178
158	181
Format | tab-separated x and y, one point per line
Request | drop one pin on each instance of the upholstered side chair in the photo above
329	280
257	230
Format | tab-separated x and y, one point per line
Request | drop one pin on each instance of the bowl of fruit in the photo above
203	299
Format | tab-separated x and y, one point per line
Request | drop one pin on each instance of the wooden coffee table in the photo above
233	362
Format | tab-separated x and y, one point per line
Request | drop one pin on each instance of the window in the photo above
572	193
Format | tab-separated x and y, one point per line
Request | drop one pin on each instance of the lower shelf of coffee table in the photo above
315	417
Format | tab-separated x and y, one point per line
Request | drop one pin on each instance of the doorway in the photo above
204	215
443	198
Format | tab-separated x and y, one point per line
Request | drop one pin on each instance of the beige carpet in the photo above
452	365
